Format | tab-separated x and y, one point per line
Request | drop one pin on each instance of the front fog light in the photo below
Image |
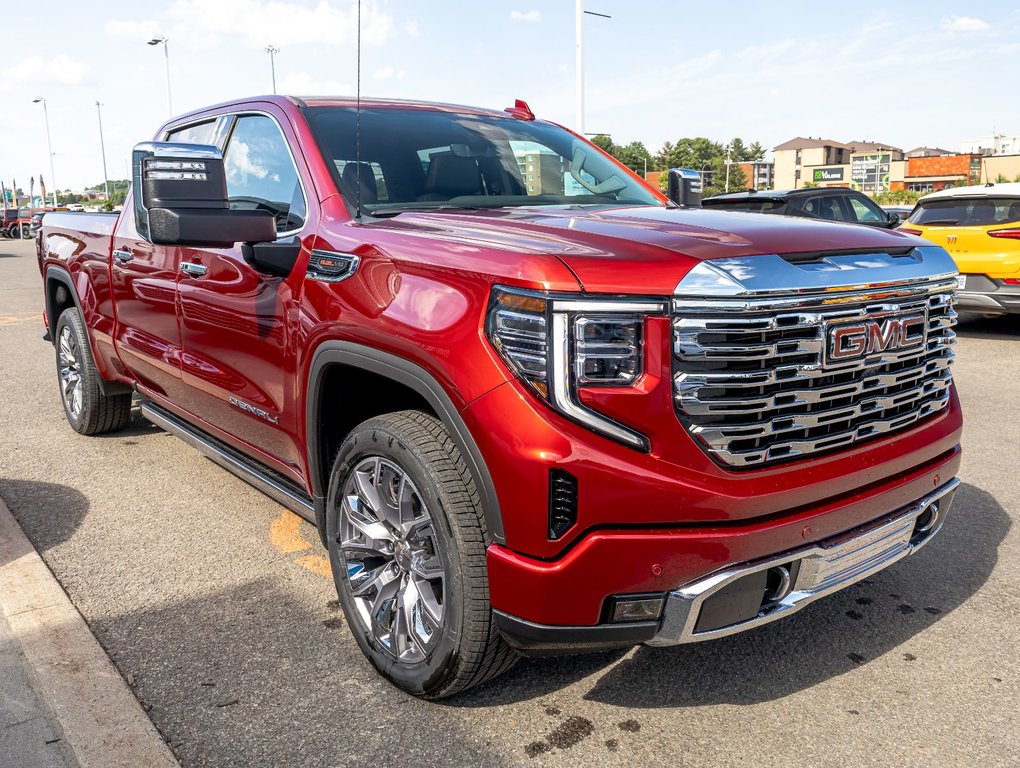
636	608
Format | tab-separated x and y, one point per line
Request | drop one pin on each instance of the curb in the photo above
100	718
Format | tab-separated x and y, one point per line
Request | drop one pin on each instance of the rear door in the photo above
237	324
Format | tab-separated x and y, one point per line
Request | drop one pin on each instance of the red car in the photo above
530	404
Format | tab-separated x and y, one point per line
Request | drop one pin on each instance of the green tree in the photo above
604	142
636	157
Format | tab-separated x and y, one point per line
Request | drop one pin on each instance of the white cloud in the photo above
411	28
389	73
532	15
133	30
303	84
36	70
964	24
259	22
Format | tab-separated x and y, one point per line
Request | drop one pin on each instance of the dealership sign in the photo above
870	173
828	174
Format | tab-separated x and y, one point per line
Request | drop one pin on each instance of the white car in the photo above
76	207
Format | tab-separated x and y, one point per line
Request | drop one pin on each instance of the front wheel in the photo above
406	542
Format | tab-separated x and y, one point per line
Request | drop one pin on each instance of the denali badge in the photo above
253	410
848	341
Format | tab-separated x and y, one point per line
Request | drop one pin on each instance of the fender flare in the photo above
421	381
63	277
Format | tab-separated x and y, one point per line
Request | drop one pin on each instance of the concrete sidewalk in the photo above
62	702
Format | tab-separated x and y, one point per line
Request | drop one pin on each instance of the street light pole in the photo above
579	63
49	146
272	51
580	13
102	147
166	57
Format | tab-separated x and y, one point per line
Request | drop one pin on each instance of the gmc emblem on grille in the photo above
850	341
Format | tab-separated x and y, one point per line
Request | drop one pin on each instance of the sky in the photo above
905	73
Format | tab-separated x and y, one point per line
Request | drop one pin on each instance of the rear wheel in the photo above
88	410
406	542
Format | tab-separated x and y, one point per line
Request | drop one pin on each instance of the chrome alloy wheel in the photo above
71	388
393	559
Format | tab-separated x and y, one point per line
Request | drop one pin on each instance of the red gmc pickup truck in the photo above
532	405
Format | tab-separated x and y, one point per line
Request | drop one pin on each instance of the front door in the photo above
237	324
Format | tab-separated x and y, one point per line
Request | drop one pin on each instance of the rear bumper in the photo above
987	296
743	596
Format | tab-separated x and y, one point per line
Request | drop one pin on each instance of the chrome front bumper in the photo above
815	571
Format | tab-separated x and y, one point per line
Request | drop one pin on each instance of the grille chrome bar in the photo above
751	382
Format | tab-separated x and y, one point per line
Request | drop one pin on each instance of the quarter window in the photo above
261	174
198	133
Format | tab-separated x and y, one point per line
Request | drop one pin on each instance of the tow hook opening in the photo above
926	521
778	584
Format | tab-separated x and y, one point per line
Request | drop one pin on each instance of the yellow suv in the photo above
980	227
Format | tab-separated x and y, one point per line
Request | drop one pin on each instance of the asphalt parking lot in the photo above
217	608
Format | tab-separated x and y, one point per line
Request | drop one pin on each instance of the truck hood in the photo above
643	250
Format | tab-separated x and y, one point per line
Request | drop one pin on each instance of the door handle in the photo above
123	256
192	269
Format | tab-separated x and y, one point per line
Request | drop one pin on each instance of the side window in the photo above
866	213
261	174
199	133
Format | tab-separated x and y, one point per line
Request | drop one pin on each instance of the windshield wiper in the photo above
388	212
940	222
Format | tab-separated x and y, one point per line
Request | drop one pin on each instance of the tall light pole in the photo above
579	50
166	57
49	146
102	147
272	51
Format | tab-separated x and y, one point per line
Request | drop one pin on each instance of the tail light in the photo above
1013	233
1011	280
558	343
907	231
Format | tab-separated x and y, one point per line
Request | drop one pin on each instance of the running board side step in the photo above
274	486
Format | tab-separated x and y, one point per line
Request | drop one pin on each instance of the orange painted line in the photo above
316	564
285	535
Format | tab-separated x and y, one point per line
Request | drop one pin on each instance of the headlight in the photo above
557	344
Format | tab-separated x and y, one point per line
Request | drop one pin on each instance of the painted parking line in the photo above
285	534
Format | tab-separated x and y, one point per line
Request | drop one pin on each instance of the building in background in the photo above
996	144
927	152
760	174
864	165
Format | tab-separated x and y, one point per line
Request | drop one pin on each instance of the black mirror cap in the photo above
210	228
684	187
894	219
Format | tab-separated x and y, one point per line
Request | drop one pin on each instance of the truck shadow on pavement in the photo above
49	513
825	640
978	327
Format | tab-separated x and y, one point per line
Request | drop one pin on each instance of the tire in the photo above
406	541
26	232
88	410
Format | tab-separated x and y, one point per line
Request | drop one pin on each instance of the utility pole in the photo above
161	40
49	146
272	51
728	164
102	147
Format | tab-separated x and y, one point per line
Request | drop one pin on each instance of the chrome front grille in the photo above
753	386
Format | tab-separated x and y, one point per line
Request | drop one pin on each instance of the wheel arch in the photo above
405	374
58	279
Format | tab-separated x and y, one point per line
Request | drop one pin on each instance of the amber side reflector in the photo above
518	301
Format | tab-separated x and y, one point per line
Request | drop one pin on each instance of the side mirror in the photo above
894	219
180	198
684	187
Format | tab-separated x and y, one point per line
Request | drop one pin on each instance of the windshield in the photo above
414	159
966	212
